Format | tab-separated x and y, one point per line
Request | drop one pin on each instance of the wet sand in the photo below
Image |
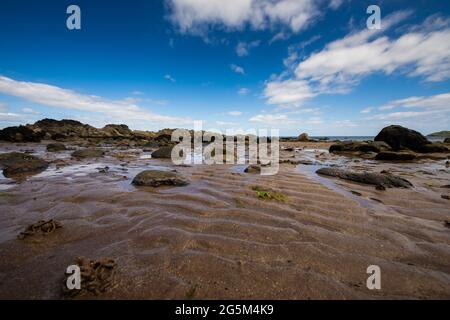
215	239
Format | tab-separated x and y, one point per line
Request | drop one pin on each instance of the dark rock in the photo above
445	196
20	134
88	153
447	140
15	163
395	156
380	187
55	147
156	178
163	153
399	137
433	147
253	169
117	130
389	181
355	146
66	129
303	137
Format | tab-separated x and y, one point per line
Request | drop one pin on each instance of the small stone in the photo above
253	169
156	178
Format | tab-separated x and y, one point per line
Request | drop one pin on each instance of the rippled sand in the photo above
216	239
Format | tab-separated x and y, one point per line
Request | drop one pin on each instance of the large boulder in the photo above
20	134
117	130
88	153
377	179
16	163
447	140
303	137
395	156
156	178
399	137
163	153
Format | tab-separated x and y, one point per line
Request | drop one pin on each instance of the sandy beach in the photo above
215	239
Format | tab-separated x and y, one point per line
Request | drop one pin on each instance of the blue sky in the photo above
295	65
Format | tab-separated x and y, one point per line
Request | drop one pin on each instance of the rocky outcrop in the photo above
156	178
20	134
399	137
88	153
447	140
51	129
386	180
65	129
395	156
117	130
16	163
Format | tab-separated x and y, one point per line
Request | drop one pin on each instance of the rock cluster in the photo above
393	143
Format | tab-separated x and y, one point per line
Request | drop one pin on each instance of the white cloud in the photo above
367	110
198	16
237	69
169	77
288	92
235	113
29	110
224	123
243	91
334	4
269	118
243	48
425	111
53	96
9	116
343	63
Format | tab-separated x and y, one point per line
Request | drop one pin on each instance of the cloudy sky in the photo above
295	65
